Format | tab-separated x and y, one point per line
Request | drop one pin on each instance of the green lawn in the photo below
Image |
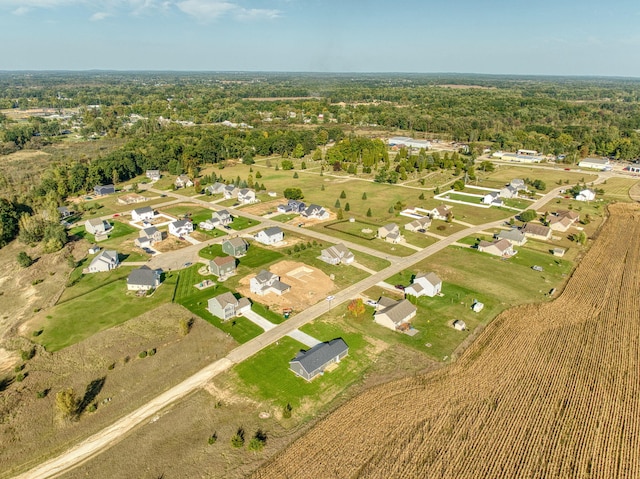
517	203
75	320
372	262
119	233
83	284
505	173
284	218
348	231
617	189
241	223
466	198
266	376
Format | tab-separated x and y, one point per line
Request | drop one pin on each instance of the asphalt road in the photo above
109	436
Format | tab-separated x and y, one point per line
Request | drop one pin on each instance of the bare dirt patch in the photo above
170	243
30	428
264	207
308	286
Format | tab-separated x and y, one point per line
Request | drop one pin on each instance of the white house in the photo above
440	212
509	192
97	227
337	254
105	261
180	228
315	211
183	181
266	282
215	189
246	196
418	224
390	232
501	247
148	236
143	279
492	199
223	217
425	284
586	195
271	235
226	306
230	191
153	175
145	213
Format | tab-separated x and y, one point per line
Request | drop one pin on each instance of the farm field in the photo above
564	372
505	173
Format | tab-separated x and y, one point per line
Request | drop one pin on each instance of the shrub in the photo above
20	377
36	281
441	228
24	260
28	354
42	394
343	195
186	324
111	366
151	352
286	411
364	195
237	440
142	354
213	438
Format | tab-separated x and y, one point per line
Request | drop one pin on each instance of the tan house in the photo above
394	314
440	212
419	224
536	231
390	233
502	248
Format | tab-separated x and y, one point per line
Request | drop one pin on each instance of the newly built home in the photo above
183	181
337	254
425	284
266	282
312	363
148	237
514	235
315	212
501	247
230	191
215	189
106	260
418	224
180	228
246	196
226	306
98	227
271	235
586	195
236	247
145	213
222	217
390	233
536	231
394	314
440	212
493	199
143	279
222	266
292	206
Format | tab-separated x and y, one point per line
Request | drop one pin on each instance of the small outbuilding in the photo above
459	325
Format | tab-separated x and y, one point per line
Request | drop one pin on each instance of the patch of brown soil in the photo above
264	207
306	289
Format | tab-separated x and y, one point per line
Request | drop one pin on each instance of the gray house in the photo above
148	236
222	266
215	189
514	235
312	363
235	247
292	206
105	261
222	217
337	254
227	306
143	279
97	227
101	190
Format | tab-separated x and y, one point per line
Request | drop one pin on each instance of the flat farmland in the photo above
547	390
505	173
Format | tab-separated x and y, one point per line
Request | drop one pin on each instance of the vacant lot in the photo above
31	430
564	372
503	174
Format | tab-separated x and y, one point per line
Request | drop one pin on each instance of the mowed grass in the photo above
266	376
348	231
503	174
617	189
119	233
98	309
240	223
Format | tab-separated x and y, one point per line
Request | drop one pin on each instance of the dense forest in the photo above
181	121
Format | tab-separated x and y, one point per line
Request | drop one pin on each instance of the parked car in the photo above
537	268
371	302
400	287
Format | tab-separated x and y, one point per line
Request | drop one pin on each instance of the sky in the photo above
534	37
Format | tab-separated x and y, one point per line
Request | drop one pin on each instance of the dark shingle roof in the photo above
320	354
143	275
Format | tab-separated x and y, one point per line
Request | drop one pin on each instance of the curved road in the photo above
109	436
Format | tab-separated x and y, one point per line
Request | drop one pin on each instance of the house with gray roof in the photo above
226	306
64	212
145	213
230	191
246	196
101	190
215	189
418	224
180	228
148	237
313	362
266	282
514	235
425	284
292	206
337	254
236	247
153	175
222	266
223	217
315	212
183	181
390	233
98	227
271	235
492	199
105	261
396	314
144	279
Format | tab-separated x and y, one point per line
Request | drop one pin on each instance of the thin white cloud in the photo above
96	17
206	9
256	13
21	11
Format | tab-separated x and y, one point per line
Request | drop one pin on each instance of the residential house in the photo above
492	199
145	213
222	217
208	225
440	212
292	206
315	212
230	191
459	325
313	362
153	175
518	184
144	279
266	282
557	223
514	235
64	212
235	247
183	181
509	192
536	231
586	195
180	228
215	189
246	196
226	306
425	284
106	260
418	224
98	227
222	266
148	237
337	254
271	235
101	190
131	199
501	247
388	229
394	314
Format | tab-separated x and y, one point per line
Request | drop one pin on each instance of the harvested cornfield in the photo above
547	390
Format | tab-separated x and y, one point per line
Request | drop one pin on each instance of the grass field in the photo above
348	231
617	189
240	223
95	309
477	200
505	173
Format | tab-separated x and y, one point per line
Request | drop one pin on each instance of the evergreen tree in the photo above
369	214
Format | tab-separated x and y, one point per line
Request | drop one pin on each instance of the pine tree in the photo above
337	204
369	214
364	195
347	207
343	195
